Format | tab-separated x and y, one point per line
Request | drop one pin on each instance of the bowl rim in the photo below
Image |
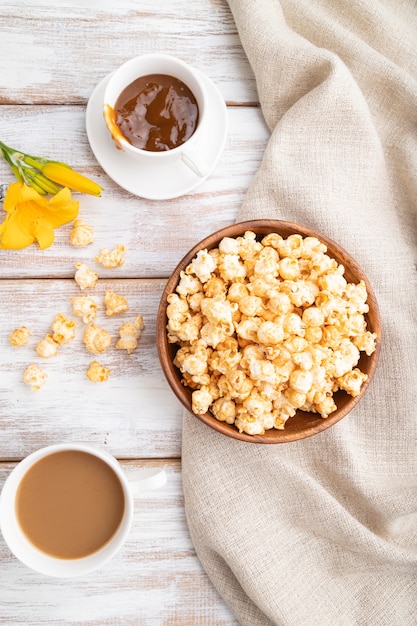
172	374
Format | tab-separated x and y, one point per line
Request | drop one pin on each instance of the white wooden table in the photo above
52	55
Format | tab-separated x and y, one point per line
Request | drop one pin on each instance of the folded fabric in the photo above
324	530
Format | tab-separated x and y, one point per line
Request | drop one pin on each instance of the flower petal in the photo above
12	236
60	199
12	197
61	215
44	233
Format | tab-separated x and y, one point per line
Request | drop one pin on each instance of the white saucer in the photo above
141	178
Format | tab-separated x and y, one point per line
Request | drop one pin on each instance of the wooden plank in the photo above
134	413
52	55
156	578
156	233
57	52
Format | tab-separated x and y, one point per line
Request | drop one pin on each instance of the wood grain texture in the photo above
134	413
155	579
52	56
57	52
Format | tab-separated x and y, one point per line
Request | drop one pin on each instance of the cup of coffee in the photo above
155	109
67	509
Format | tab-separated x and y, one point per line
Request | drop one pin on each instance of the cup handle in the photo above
195	162
147	479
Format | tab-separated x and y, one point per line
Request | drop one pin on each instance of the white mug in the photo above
191	152
133	483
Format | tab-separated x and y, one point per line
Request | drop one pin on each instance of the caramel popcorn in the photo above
114	303
111	258
97	373
129	334
19	337
63	329
84	307
34	376
81	234
85	277
47	347
97	340
268	327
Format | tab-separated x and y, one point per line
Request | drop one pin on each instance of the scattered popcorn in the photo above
129	334
265	328
47	347
34	376
19	337
111	258
84	307
63	329
85	277
81	234
114	303
97	373
97	340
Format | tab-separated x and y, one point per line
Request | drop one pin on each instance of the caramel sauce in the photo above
69	504
156	112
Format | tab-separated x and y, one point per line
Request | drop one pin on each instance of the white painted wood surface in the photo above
52	55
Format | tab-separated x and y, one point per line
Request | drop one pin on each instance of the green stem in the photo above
29	175
15	165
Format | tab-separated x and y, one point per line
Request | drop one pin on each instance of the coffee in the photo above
69	504
156	112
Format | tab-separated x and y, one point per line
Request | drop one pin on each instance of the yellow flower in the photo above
32	217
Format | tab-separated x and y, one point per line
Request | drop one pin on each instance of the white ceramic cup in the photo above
190	152
133	483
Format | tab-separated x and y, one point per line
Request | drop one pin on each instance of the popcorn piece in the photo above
85	307
267	328
47	347
365	342
270	333
19	337
63	329
81	234
231	268
301	381
178	311
129	334
111	258
202	266
97	340
188	285
85	277
34	376
201	401
352	381
224	410
114	303
97	373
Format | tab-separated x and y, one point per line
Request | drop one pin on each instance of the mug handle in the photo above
146	479
195	162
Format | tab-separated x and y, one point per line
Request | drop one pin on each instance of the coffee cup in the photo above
67	509
155	110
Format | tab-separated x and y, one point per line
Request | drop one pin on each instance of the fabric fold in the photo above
324	530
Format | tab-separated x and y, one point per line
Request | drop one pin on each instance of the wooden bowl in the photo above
302	424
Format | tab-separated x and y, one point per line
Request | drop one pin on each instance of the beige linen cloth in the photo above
324	531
